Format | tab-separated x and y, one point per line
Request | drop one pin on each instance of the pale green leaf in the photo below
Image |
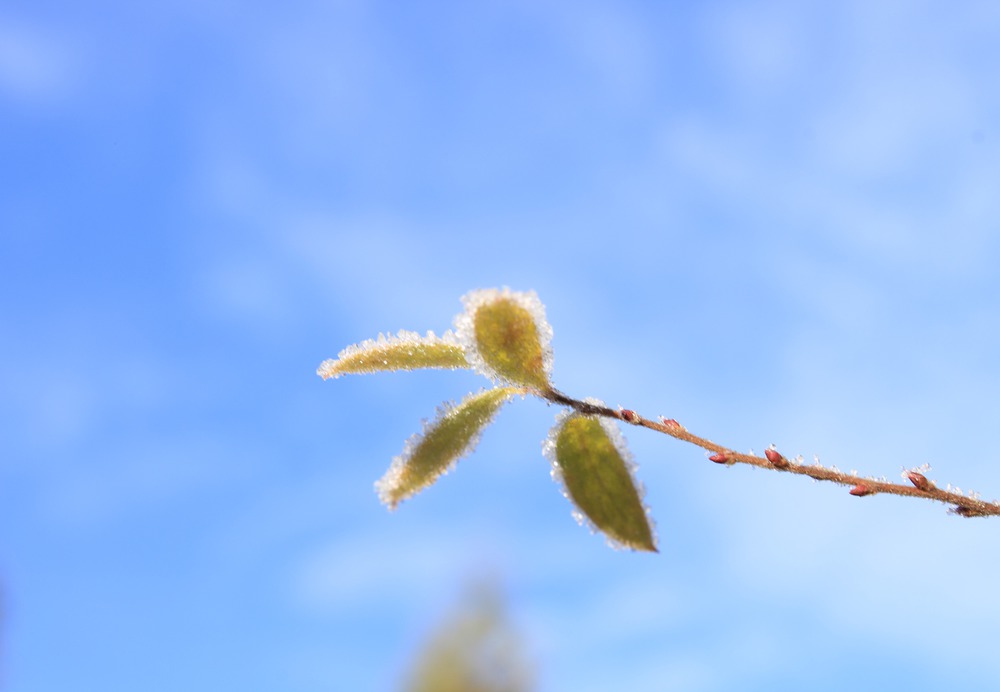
589	456
405	351
450	436
506	337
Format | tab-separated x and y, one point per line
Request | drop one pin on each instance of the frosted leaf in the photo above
595	469
404	351
506	336
432	452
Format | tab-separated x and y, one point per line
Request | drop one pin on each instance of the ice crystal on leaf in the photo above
506	337
592	463
450	436
404	351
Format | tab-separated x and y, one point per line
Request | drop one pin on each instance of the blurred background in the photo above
776	223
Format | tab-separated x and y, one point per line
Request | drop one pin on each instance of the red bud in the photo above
919	480
721	458
860	490
778	461
670	422
629	416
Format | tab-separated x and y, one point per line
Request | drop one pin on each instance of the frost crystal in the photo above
922	469
465	327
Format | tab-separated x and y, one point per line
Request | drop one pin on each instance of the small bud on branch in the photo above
965	511
919	481
629	416
778	461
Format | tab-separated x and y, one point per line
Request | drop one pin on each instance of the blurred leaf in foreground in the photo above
476	650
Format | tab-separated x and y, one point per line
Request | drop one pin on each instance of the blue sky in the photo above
776	223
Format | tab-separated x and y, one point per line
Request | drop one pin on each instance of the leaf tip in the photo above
387	487
328	369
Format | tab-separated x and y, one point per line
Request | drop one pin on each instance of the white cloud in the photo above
129	480
611	41
250	289
910	578
377	570
36	66
761	47
380	261
872	150
63	395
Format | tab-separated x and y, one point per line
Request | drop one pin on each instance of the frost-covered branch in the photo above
918	485
504	336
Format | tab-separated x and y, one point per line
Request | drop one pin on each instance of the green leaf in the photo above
452	435
506	337
589	456
405	351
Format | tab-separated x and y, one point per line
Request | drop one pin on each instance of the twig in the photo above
919	486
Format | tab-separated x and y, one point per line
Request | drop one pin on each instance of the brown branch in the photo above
962	505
